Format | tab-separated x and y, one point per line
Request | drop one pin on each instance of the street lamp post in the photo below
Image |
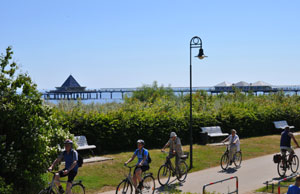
196	42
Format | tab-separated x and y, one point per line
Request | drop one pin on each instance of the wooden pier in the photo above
71	90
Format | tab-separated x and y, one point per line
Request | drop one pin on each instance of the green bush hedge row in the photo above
119	128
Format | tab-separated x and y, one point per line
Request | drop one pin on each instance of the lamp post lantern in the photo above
195	42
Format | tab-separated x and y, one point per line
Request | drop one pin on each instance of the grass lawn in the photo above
105	176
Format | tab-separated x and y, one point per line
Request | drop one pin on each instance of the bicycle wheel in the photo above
281	168
224	161
295	164
148	184
164	175
183	168
46	191
124	187
78	188
237	159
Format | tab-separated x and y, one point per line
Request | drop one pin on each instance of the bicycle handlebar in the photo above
130	166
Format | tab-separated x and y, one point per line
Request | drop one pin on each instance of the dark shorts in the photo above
144	168
71	175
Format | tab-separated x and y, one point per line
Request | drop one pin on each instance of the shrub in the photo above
29	134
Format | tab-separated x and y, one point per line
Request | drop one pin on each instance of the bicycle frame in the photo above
52	184
129	177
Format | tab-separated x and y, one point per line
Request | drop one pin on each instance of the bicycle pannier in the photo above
277	158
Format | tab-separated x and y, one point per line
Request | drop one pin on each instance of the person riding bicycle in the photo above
71	157
234	144
175	150
142	165
285	142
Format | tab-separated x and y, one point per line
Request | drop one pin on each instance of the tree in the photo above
153	92
29	134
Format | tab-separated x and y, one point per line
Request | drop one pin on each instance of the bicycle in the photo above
77	187
237	159
125	185
283	165
165	170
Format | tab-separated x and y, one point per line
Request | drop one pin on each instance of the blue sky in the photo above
130	43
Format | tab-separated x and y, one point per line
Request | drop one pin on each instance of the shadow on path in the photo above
228	170
172	187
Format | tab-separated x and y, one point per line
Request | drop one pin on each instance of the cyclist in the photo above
294	189
285	142
234	144
71	157
142	165
175	150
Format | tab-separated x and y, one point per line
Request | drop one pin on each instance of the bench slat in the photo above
82	143
214	131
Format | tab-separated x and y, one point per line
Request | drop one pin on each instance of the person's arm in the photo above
236	140
144	159
225	140
75	159
56	161
178	146
294	139
167	145
132	158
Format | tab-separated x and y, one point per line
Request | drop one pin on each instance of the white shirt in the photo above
236	137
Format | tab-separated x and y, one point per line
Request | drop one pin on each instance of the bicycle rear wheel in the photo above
183	168
281	168
164	175
124	187
237	159
78	188
224	161
295	164
148	184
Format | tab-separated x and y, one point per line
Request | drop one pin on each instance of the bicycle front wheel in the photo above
164	175
224	161
281	168
237	159
124	187
78	188
295	164
148	184
183	170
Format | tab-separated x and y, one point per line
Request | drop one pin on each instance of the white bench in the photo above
282	125
83	144
214	131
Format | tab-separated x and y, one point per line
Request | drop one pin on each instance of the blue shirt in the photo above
293	189
70	158
140	155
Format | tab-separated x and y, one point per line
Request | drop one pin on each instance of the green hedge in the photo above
118	129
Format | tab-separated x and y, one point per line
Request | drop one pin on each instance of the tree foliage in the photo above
29	134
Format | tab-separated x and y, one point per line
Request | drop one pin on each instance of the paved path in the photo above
251	175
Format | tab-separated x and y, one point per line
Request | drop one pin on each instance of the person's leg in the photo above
291	154
138	174
177	161
170	157
57	182
230	154
134	178
234	150
68	189
71	177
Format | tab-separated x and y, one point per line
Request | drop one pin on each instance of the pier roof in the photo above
70	85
